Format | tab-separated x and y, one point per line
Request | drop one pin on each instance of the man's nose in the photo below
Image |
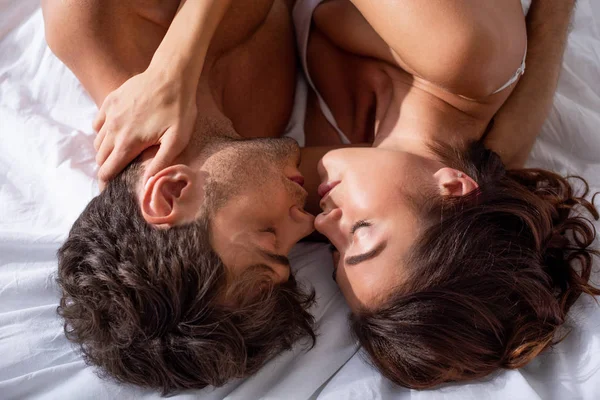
300	216
283	274
300	224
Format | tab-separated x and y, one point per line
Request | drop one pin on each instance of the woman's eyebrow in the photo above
354	260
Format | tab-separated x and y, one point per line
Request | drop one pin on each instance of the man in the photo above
176	275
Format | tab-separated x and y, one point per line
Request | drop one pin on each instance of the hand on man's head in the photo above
149	109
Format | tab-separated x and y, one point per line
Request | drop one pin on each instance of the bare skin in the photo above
442	79
395	83
113	41
520	119
437	99
242	80
402	85
347	45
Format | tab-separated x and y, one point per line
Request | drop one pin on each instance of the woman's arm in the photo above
158	106
184	47
469	47
520	119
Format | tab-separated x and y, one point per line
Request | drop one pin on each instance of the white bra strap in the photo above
516	76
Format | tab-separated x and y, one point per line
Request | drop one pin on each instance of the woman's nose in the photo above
329	224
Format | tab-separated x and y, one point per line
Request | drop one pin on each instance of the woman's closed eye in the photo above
366	242
359	224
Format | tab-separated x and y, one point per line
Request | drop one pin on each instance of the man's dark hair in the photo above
155	307
491	276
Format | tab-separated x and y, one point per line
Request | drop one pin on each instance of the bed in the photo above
47	176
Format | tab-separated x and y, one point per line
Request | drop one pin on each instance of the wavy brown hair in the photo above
156	308
491	279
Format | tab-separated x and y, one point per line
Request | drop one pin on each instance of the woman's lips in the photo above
326	187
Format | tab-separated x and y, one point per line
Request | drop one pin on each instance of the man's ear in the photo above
173	196
452	182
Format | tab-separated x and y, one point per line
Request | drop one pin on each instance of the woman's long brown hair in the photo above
491	277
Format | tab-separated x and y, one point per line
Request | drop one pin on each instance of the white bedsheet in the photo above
47	177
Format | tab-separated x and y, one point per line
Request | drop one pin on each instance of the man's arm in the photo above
520	119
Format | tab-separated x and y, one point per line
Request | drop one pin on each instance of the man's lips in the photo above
298	179
326	187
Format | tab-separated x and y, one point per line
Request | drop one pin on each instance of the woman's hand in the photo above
158	106
152	108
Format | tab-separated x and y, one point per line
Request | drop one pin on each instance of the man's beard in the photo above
251	165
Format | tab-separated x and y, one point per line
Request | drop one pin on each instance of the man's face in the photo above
255	197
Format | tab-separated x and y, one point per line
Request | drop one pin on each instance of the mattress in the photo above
47	176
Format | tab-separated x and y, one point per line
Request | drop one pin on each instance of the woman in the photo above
453	266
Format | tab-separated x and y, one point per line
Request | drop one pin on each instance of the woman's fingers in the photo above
102	184
120	156
104	149
170	148
99	120
99	139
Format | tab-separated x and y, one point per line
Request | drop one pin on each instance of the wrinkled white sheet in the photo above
47	177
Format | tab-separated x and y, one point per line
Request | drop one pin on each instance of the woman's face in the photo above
368	218
368	198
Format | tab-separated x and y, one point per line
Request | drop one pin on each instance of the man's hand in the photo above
520	119
147	110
